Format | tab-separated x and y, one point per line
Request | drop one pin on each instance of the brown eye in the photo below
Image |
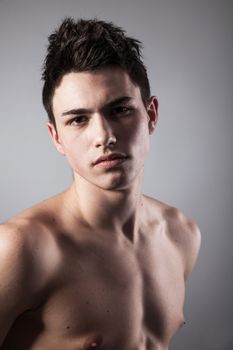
120	111
77	121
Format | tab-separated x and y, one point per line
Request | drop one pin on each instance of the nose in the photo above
102	131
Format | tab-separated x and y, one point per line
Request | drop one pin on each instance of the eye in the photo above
77	121
121	111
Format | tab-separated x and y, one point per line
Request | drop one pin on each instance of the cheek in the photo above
75	151
142	145
138	137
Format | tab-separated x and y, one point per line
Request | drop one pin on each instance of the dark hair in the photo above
87	45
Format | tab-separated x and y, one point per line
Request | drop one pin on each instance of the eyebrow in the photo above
115	102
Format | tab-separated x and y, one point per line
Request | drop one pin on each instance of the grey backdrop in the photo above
188	51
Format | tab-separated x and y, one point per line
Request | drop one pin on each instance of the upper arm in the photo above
187	237
191	247
15	285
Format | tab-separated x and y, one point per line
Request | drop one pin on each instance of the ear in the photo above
55	138
152	111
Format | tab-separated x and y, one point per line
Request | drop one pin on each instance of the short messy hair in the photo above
88	45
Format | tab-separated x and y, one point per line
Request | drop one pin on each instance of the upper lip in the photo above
109	157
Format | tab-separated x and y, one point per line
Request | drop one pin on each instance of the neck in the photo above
110	210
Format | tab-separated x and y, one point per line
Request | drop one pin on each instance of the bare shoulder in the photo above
26	246
21	241
14	245
181	230
25	265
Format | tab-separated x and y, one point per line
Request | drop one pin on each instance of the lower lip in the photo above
110	163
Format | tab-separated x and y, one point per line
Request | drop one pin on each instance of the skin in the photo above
99	266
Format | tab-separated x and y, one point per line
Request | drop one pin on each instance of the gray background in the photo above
188	51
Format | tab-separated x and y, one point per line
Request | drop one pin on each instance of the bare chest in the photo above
113	298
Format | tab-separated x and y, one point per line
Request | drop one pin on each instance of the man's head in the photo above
96	90
89	45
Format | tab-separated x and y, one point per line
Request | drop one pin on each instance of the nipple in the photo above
93	342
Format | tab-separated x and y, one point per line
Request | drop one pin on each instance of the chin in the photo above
115	188
111	181
119	180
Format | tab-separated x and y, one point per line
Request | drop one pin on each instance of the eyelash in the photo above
125	110
120	110
70	122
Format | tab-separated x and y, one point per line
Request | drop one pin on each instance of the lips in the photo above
109	157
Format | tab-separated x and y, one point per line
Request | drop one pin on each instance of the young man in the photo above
100	266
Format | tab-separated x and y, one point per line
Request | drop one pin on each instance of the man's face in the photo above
92	107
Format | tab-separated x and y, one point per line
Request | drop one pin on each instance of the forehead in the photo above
93	89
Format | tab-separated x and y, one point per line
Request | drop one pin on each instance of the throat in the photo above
130	229
109	211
